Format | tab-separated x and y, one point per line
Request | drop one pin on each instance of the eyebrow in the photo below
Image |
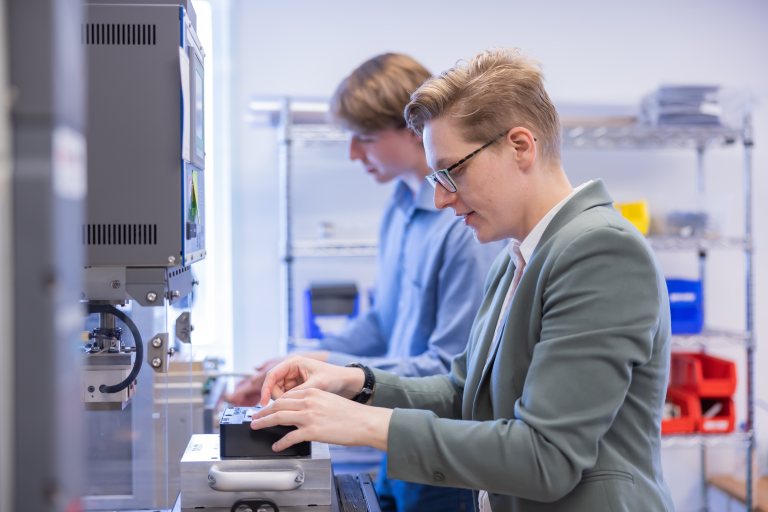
444	163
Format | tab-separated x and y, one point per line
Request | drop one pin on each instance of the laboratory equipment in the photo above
143	231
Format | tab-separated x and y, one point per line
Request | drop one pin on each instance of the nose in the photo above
356	151
443	198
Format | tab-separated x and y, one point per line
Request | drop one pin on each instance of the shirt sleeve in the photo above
362	338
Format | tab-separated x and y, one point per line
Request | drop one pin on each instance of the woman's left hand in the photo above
325	417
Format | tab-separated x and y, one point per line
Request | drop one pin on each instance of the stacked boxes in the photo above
702	386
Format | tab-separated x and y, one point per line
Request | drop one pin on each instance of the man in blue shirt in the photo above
430	268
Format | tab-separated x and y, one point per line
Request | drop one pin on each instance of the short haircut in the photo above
491	93
374	95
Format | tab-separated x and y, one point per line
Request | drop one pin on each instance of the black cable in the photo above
116	388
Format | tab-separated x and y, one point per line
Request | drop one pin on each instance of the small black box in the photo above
238	441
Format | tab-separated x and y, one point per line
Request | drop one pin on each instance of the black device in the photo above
238	441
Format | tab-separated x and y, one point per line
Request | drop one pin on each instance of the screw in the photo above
157	342
156	362
91	389
151	296
171	259
115	284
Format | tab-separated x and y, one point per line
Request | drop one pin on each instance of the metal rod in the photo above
750	426
702	264
286	232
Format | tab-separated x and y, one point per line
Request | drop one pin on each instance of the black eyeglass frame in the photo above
443	176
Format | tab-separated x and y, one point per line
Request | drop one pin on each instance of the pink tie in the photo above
519	269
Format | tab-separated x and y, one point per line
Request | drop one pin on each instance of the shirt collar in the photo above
424	198
530	242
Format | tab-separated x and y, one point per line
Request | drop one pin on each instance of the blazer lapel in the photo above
480	355
590	196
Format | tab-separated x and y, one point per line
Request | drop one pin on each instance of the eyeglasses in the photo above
443	176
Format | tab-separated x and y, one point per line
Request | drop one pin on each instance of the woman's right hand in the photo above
304	373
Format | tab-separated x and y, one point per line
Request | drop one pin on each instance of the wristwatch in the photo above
370	382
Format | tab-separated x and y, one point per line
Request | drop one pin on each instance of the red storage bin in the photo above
690	413
723	421
705	375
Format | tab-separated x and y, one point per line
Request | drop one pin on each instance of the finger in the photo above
291	438
283	404
278	418
301	391
269	387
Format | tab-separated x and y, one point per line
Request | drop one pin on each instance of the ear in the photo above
524	143
413	136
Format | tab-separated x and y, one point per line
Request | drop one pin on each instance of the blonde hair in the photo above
493	92
374	95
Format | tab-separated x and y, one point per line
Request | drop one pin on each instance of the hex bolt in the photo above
156	362
157	342
151	296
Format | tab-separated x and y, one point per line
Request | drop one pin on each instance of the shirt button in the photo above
438	476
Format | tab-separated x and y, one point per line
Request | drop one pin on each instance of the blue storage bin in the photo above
687	306
333	301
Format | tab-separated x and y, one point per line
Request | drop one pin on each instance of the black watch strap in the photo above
370	382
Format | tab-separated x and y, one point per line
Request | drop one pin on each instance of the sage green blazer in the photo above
566	415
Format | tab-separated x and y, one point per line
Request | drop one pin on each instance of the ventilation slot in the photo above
120	234
178	271
122	34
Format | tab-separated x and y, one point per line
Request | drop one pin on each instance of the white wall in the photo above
592	51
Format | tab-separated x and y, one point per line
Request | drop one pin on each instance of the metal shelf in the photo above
318	134
637	136
334	248
692	440
580	137
679	243
712	338
352	247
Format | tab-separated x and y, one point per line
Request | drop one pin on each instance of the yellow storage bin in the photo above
636	212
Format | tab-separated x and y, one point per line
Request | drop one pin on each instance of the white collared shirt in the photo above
534	237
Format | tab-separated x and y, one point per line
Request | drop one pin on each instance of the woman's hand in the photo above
302	373
325	417
248	391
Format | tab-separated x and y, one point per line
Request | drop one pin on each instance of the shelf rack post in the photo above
286	235
750	426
